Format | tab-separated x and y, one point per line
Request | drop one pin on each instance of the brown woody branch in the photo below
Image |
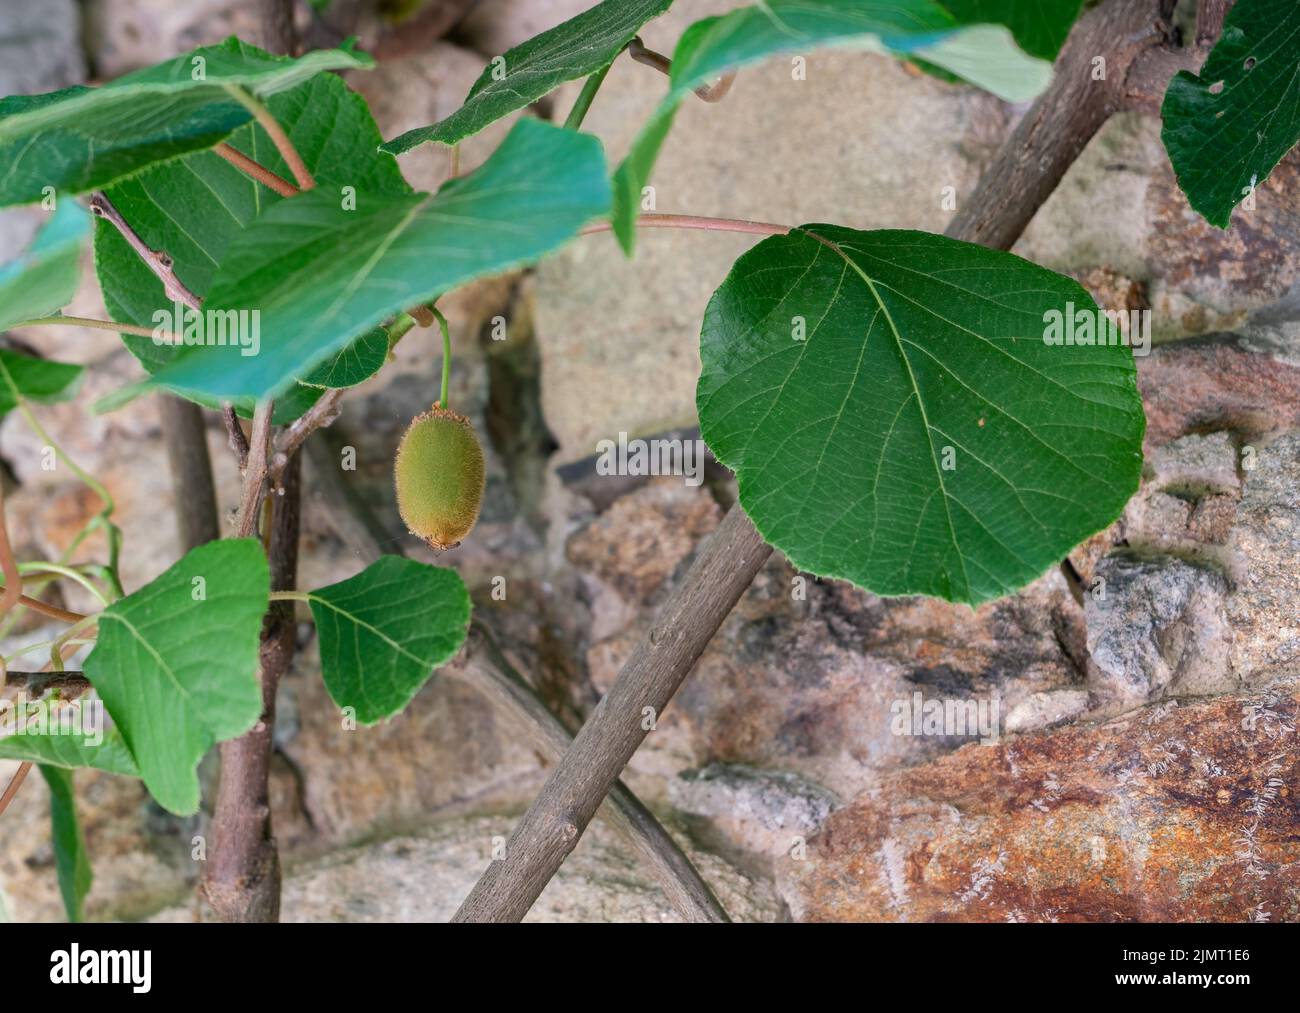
241	881
156	260
1024	173
37	686
1056	129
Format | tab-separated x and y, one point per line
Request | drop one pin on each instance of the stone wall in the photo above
1147	765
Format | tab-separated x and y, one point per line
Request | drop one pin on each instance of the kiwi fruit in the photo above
440	475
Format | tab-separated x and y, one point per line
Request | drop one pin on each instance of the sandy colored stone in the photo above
424	877
638	543
620	339
1265	609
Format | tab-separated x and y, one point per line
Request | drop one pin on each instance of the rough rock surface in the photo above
1177	813
783	755
423	878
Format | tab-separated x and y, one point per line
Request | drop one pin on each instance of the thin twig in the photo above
714	92
323	413
667	221
156	260
326	410
256	170
37	685
278	137
161	265
20	776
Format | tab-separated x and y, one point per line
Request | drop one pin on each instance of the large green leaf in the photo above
71	863
384	631
1039	27
176	664
574	49
984	55
194	207
321	276
1226	128
44	279
81	138
22	376
71	751
922	437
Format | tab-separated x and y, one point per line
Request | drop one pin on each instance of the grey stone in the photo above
40	47
1195	465
1156	628
764	812
1265	609
125	35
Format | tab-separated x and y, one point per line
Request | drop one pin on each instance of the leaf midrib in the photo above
916	390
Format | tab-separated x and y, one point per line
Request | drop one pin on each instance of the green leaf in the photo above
71	751
21	376
1039	28
194	207
1227	128
384	631
176	664
913	344
81	139
357	363
577	48
321	276
984	55
71	861
44	279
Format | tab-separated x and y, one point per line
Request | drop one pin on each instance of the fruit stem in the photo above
446	356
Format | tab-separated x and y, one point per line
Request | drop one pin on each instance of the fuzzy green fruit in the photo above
440	476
